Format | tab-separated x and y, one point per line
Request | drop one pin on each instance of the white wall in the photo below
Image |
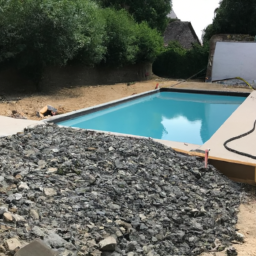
234	59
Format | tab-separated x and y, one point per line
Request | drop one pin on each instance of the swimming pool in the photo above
167	115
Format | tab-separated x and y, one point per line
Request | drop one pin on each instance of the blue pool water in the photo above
182	117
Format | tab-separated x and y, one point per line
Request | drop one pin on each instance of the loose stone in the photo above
12	244
50	192
8	217
88	193
108	244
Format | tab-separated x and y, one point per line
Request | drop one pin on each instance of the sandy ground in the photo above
74	98
247	226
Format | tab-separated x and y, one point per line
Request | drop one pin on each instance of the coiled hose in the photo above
239	137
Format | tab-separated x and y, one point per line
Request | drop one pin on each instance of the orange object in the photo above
206	158
157	85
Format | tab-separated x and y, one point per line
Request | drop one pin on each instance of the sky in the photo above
199	12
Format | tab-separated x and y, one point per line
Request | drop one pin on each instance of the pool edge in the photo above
95	108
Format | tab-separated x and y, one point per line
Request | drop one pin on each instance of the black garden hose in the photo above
239	137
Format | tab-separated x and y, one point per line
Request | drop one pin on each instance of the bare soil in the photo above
246	226
74	98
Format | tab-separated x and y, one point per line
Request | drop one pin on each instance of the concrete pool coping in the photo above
10	126
232	127
239	168
84	111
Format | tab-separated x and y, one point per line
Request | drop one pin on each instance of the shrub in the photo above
149	41
37	33
154	12
120	38
177	62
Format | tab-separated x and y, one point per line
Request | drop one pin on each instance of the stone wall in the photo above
74	75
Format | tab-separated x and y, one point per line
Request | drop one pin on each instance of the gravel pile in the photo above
87	193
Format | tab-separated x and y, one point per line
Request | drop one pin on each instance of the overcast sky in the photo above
199	12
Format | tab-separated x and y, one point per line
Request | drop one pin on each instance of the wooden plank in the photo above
193	153
235	170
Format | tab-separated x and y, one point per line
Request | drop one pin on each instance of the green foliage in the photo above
154	12
149	41
121	38
35	34
177	62
128	42
93	28
45	32
233	17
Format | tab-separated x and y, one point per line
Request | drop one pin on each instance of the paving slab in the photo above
241	121
36	248
10	126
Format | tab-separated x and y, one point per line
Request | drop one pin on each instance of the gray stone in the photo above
37	231
50	192
54	240
34	214
18	196
23	186
108	244
18	218
148	197
12	244
2	249
41	163
36	248
8	217
240	237
3	209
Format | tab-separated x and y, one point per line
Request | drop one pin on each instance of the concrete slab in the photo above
36	248
10	126
241	121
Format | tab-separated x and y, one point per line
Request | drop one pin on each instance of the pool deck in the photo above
10	126
237	167
241	121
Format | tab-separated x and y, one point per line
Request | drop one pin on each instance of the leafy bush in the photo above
177	62
233	17
128	42
154	12
120	38
48	32
37	33
149	41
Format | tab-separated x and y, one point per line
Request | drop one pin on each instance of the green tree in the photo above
233	17
178	62
120	41
150	43
38	33
154	12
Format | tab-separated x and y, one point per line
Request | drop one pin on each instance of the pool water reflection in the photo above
183	117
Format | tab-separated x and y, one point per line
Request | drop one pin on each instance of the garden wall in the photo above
223	38
74	75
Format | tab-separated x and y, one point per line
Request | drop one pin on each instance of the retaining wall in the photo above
74	75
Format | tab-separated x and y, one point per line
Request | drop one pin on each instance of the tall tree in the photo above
38	33
233	17
154	12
